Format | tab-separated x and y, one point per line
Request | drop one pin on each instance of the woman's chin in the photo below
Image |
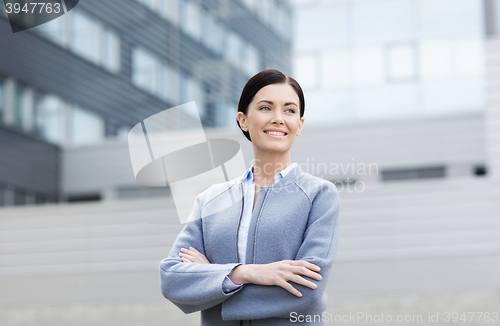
274	149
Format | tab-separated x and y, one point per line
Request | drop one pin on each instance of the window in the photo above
250	4
2	97
191	90
414	173
54	30
167	9
265	12
152	75
443	58
50	118
86	127
57	30
458	93
337	69
144	69
378	22
274	17
307	70
435	59
168	89
469	57
233	48
283	22
111	51
21	106
450	18
252	60
401	62
369	65
171	10
212	33
382	100
318	29
190	18
85	36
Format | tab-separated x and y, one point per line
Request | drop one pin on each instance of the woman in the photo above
266	259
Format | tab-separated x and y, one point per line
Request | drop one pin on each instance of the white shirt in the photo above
249	196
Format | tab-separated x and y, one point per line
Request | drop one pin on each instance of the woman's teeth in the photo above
275	133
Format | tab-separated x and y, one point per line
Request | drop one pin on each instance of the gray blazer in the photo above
297	218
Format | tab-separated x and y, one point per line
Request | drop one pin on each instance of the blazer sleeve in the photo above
318	247
193	286
229	286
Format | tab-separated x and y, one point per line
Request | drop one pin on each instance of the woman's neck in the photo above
267	165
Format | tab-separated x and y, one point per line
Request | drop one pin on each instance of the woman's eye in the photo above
265	107
291	110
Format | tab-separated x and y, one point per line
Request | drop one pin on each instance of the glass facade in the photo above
85	126
230	52
207	27
98	68
212	33
154	75
146	69
56	30
242	54
190	18
361	59
86	37
47	115
50	118
273	14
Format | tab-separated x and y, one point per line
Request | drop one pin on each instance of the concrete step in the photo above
437	212
418	200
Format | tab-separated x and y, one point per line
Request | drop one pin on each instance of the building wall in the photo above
492	112
29	169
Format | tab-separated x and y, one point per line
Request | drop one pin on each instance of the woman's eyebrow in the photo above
270	102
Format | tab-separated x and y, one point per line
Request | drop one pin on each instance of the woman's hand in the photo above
277	273
192	255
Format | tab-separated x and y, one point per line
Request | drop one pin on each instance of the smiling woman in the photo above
237	266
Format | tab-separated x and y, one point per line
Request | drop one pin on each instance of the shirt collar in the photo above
248	176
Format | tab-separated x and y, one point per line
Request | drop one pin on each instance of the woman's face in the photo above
273	118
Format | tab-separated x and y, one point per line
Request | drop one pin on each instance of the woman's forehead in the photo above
277	93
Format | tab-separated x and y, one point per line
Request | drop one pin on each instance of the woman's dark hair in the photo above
260	80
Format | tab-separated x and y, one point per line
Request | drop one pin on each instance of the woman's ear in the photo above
300	126
242	121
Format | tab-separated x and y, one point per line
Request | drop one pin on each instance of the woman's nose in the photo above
277	118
